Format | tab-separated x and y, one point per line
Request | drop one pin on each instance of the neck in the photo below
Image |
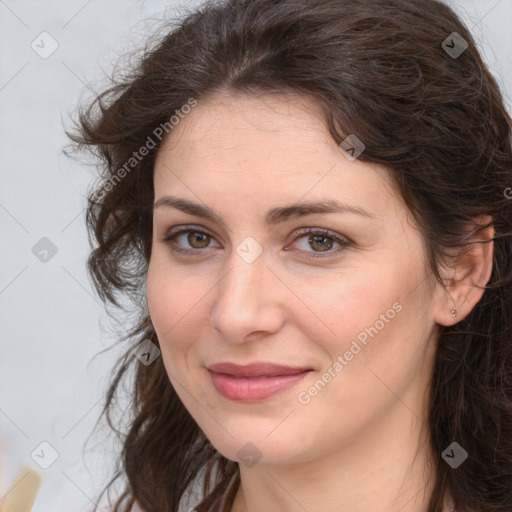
380	469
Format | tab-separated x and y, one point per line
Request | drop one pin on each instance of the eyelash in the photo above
344	243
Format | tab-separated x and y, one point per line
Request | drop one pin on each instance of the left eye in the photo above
319	239
323	241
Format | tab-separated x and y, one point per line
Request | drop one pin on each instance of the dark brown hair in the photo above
379	70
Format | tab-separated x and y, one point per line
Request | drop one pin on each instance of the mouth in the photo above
254	382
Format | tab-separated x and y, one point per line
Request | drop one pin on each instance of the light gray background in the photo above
52	323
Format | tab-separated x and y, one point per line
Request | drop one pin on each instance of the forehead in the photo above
241	122
270	146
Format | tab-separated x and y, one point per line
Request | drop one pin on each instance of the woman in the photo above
307	200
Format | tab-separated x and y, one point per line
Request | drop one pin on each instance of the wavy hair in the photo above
437	121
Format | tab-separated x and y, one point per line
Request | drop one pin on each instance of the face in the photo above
342	298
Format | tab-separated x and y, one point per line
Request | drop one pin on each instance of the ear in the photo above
467	276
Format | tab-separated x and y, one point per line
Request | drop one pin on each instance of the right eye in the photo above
196	238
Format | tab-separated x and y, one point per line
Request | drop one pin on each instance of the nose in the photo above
249	301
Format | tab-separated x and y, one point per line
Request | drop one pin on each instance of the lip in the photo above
256	369
254	382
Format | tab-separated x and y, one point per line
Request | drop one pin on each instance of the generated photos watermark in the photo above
342	361
137	156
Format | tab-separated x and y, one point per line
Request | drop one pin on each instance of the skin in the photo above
360	443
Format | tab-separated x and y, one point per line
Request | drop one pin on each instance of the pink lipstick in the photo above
254	382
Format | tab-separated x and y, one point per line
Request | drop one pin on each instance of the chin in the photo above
251	446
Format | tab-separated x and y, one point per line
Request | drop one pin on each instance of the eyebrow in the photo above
273	216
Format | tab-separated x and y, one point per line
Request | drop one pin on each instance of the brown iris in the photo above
195	237
313	239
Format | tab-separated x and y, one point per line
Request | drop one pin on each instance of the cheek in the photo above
373	318
344	306
172	301
172	304
162	303
382	336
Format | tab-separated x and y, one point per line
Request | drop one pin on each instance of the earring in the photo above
454	311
